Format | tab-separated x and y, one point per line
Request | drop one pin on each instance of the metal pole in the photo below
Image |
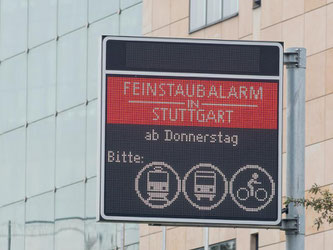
206	238
122	236
164	238
9	234
295	60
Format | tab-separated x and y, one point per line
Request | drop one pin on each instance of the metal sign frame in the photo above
101	216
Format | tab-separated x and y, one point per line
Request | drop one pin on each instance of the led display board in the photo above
190	131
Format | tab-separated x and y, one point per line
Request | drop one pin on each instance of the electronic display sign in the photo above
190	131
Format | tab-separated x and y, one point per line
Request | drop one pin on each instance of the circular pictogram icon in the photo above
252	188
158	185
205	186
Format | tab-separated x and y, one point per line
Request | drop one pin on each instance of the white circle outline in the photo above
139	176
256	194
247	193
233	196
225	186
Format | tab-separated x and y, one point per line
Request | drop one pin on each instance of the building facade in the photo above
49	54
48	110
297	23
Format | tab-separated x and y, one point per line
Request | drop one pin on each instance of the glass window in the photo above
230	8
97	235
70	146
207	12
12	162
71	80
12	227
69	218
131	234
127	3
13	27
91	154
133	247
226	245
71	15
39	224
41	81
109	26
197	14
13	92
102	8
42	17
214	10
40	166
131	21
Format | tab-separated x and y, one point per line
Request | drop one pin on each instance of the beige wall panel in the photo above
147	16
230	29
293	32
329	117
144	230
315	76
194	237
198	34
179	29
227	233
272	247
329	24
154	229
292	8
315	165
315	121
243	239
161	13
175	238
272	33
247	38
155	241
329	71
245	18
283	234
221	234
256	15
162	32
314	242
313	4
328	240
214	235
144	243
214	31
271	12
268	237
179	9
315	31
329	162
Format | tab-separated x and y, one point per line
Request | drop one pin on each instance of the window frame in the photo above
223	18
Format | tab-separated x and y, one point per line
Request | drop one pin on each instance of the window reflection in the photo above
39	224
12	227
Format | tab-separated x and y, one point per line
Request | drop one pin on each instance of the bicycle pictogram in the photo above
252	188
259	194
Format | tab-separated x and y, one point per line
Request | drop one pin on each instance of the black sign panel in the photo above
190	131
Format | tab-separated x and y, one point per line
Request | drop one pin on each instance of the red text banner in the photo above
192	102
